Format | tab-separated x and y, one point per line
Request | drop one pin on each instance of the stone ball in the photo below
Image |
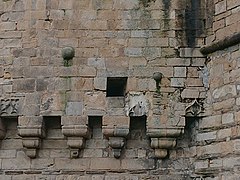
68	53
157	76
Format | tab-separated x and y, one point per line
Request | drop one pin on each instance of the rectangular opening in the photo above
95	125
11	140
138	128
137	144
53	127
116	86
97	144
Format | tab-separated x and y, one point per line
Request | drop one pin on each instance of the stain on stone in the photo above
146	3
194	22
166	5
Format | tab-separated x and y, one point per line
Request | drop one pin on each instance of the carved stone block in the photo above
136	104
9	107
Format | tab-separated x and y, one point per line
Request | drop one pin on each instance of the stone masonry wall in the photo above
217	135
102	114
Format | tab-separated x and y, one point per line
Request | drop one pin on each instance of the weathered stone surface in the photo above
119	38
74	108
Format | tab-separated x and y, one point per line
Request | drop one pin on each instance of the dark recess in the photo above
116	86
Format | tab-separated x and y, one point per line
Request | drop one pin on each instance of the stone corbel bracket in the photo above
76	130
116	129
163	139
32	130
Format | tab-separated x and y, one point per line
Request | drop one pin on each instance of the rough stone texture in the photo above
65	104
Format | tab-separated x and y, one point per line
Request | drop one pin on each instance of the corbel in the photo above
163	139
76	130
32	130
116	129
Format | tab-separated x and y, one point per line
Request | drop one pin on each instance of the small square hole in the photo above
116	86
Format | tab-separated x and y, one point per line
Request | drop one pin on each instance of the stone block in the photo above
177	82
224	105
98	63
180	71
105	164
190	53
220	7
210	122
74	120
224	133
141	34
100	83
24	85
151	53
78	84
206	136
116	102
20	163
72	164
133	52
30	121
227	118
93	153
119	121
224	91
41	163
74	108
137	164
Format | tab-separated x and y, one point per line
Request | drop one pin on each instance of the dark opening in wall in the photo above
95	125
194	21
96	144
137	138
116	86
11	140
188	138
53	127
138	128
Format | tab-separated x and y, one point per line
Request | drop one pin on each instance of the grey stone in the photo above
74	108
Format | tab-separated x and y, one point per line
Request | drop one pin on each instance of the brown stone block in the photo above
24	85
86	71
74	120
73	164
116	121
105	164
95	101
194	82
78	84
137	164
30	121
210	122
20	163
224	105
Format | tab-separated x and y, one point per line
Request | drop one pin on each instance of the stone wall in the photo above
137	99
217	136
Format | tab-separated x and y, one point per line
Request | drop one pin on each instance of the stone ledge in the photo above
221	45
